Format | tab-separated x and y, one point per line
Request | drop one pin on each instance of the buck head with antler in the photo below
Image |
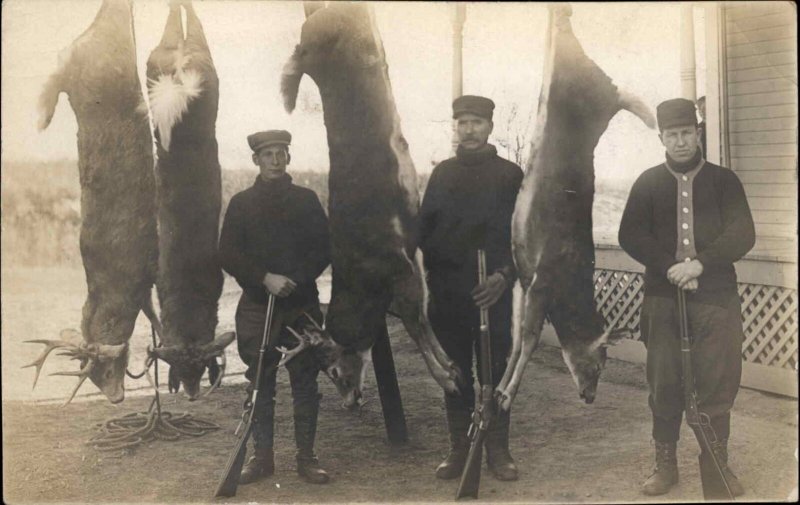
104	364
346	368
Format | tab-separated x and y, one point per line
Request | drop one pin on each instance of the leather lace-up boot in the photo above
458	421
498	457
666	472
260	466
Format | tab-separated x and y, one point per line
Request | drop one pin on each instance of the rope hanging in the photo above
135	428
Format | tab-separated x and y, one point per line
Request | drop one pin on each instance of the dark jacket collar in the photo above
273	187
482	155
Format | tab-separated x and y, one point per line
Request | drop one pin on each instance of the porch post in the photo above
459	16
688	73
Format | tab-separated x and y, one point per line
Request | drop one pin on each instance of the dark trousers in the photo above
716	361
303	368
456	322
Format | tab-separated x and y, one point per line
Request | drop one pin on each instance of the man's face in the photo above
473	131
680	141
272	161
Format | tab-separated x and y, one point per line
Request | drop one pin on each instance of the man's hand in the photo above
279	285
485	295
680	274
690	285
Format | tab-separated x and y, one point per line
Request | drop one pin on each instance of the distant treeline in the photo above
40	205
41	208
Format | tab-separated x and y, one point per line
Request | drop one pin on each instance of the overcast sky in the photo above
637	44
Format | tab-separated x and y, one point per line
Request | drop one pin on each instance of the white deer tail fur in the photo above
169	100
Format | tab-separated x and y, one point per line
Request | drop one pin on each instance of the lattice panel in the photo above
769	315
618	296
770	325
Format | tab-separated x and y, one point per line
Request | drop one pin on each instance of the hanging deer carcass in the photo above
372	185
184	93
552	223
118	239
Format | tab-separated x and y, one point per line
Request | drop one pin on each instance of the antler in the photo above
313	321
50	345
83	373
219	377
289	354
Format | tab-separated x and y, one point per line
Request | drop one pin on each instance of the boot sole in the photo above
652	493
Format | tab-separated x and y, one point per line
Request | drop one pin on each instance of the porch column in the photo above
715	117
688	73
459	16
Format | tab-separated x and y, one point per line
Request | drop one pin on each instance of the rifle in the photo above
230	477
484	408
715	485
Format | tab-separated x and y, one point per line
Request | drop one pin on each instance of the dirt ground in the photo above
566	451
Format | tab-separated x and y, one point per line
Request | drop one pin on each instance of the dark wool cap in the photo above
676	112
478	105
268	138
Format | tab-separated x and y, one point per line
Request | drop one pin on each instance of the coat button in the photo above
685	178
684	194
685	210
686	241
685	226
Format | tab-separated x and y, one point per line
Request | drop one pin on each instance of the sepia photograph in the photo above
285	251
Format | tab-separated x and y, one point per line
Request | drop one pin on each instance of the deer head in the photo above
346	368
586	361
102	363
188	363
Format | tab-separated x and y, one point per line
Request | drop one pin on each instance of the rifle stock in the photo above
471	476
715	484
481	418
230	477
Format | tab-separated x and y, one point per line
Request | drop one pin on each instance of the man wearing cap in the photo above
467	206
275	240
688	221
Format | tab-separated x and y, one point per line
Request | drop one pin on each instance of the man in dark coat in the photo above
701	109
467	206
275	239
688	221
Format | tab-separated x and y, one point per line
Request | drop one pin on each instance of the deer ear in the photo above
218	346
170	354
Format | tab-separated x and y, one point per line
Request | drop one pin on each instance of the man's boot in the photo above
262	463
305	432
666	473
720	449
458	421
498	457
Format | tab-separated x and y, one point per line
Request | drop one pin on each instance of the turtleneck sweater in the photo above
468	205
277	227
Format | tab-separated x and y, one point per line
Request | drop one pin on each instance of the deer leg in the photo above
410	299
530	332
516	337
195	36
149	311
173	30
